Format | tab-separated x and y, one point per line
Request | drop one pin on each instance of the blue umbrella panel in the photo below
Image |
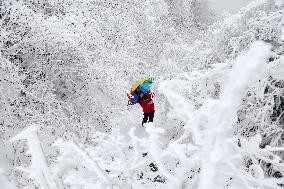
144	87
133	98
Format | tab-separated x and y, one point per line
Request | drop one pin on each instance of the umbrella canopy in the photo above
141	86
144	83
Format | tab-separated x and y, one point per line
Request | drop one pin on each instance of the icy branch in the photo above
39	170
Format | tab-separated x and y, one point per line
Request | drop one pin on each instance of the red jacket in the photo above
147	103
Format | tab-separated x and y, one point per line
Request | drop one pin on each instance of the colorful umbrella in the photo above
143	85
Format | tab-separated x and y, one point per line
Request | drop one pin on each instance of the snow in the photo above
39	169
65	69
247	68
279	2
229	6
4	183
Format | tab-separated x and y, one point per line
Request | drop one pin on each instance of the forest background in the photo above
65	69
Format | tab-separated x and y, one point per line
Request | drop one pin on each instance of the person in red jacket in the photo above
147	104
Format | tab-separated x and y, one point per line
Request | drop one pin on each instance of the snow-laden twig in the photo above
39	170
4	183
70	150
221	114
211	127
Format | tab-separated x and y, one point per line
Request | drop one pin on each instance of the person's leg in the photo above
151	116
145	119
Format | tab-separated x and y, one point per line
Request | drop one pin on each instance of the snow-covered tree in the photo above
65	69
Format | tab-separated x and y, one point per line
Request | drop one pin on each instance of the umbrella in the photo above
143	85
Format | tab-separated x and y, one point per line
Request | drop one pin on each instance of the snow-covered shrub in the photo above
226	38
211	128
258	21
66	69
190	18
207	154
116	161
39	170
4	183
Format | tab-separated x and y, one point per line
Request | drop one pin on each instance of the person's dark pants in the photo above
149	115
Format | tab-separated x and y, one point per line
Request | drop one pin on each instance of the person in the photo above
147	104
